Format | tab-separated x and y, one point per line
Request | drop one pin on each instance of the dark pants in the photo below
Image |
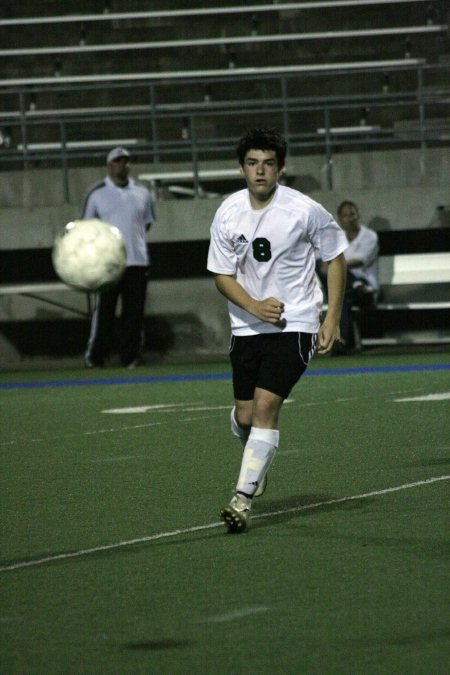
132	290
356	295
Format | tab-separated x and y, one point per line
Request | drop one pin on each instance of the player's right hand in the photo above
269	310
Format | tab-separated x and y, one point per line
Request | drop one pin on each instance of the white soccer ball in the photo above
89	255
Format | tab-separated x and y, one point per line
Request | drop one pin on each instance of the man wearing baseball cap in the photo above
119	201
117	153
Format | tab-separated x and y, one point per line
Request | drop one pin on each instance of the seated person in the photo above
362	272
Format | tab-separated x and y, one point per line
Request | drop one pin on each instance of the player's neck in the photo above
259	203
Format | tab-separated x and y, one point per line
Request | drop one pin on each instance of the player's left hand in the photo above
327	336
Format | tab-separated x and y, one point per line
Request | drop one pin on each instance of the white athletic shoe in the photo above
236	515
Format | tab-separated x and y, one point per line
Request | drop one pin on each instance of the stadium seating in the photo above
181	81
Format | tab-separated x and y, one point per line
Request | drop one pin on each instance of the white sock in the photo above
237	430
258	454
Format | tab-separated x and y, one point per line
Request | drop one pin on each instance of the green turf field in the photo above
114	559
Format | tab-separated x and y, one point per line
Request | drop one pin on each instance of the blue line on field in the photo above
155	379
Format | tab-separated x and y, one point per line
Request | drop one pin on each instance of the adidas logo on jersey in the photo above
242	240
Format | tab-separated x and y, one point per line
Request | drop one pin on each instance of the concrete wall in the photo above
394	190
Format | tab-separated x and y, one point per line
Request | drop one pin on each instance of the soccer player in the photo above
262	252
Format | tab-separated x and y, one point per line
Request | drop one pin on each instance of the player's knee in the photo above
265	411
241	417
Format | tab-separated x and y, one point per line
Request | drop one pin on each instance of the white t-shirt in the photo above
364	247
129	208
271	252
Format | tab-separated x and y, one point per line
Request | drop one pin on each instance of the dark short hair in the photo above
346	202
262	139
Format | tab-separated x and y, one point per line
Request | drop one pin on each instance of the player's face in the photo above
261	172
118	170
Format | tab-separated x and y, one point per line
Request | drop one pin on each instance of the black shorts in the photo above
271	361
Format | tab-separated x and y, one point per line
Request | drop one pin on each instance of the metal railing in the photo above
202	11
224	41
62	144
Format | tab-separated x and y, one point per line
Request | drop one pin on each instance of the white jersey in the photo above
364	247
129	208
271	252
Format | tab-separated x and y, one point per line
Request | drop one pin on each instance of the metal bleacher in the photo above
183	82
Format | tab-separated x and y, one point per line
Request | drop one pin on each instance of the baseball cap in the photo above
116	153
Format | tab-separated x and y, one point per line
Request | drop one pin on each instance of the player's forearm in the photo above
329	330
270	309
234	292
336	287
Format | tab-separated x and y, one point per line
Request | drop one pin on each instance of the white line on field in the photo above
121	458
172	407
178	407
293	451
157	407
114	429
199	419
235	614
93	432
198	528
208	407
444	396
